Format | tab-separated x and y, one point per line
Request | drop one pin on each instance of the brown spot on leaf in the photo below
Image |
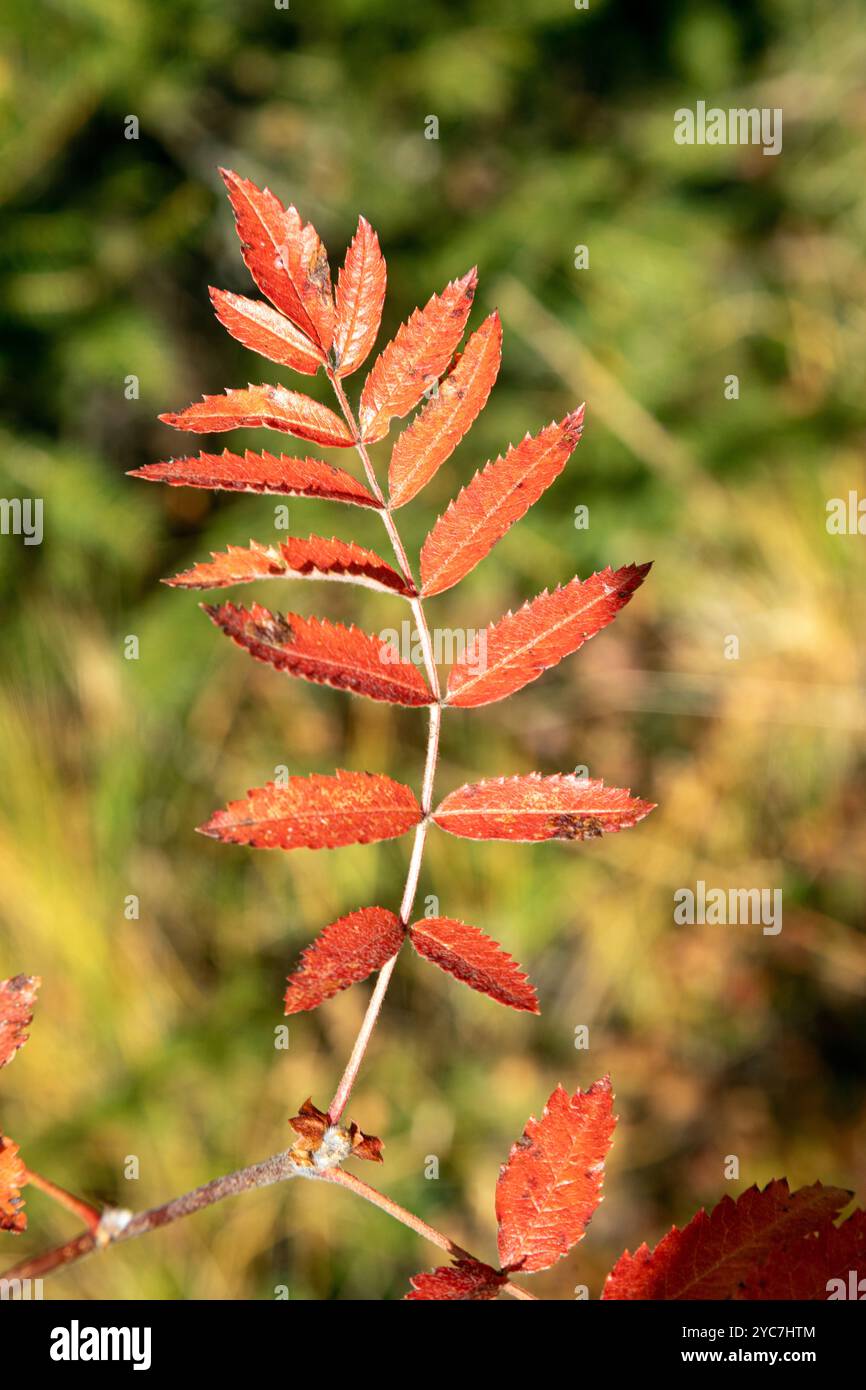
566	826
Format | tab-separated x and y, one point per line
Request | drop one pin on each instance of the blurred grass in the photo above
155	1037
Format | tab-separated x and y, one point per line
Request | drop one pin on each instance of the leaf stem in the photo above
413	873
83	1210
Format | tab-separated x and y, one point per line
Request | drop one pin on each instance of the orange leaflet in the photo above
467	954
347	951
325	653
522	645
17	1002
285	257
533	808
437	430
270	406
267	332
416	357
294	558
317	812
550	1185
499	494
268	473
360	296
13	1176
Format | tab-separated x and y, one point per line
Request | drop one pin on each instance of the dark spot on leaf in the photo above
566	826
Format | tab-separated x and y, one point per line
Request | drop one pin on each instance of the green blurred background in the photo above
155	1037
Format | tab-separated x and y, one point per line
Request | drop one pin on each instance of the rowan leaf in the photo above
317	812
805	1267
522	645
17	1002
347	951
294	558
285	257
13	1176
550	1184
534	808
469	955
498	496
436	431
465	1279
415	358
266	331
278	475
360	296
323	652
269	407
717	1253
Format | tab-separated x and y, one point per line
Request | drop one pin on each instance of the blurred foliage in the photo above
155	1037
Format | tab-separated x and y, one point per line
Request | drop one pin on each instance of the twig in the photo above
116	1226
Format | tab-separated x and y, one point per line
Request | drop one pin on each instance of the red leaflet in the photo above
326	653
261	329
416	357
13	1176
465	1279
17	1002
273	407
716	1254
347	951
499	494
524	644
539	808
360	296
826	1265
285	257
551	1184
316	812
435	433
467	954
270	473
294	558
